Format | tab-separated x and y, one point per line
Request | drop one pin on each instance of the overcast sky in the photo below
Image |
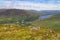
31	4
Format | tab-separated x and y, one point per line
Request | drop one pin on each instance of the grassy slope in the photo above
14	32
53	22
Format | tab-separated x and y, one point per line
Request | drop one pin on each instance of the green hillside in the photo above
53	22
15	16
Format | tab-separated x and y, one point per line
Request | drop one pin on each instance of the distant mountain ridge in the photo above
15	12
47	12
43	12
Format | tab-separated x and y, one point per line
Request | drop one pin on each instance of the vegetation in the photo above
18	24
17	16
15	32
53	22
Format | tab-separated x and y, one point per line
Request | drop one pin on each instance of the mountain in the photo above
15	12
14	15
50	12
47	12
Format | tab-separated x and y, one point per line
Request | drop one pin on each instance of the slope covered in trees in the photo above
17	15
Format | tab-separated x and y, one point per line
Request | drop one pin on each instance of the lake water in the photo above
44	17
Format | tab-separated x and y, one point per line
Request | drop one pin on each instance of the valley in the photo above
17	24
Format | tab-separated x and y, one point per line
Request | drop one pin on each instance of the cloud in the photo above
38	1
5	4
29	5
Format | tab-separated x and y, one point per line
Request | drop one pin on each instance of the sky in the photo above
30	4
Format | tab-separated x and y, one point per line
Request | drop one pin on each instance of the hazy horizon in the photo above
30	4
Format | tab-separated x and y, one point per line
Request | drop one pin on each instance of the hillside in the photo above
47	12
14	15
14	32
16	12
53	22
50	12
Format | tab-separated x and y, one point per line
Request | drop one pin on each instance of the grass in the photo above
16	32
53	22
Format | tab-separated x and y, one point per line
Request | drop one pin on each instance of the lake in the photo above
45	16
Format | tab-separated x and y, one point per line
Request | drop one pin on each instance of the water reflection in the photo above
44	17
